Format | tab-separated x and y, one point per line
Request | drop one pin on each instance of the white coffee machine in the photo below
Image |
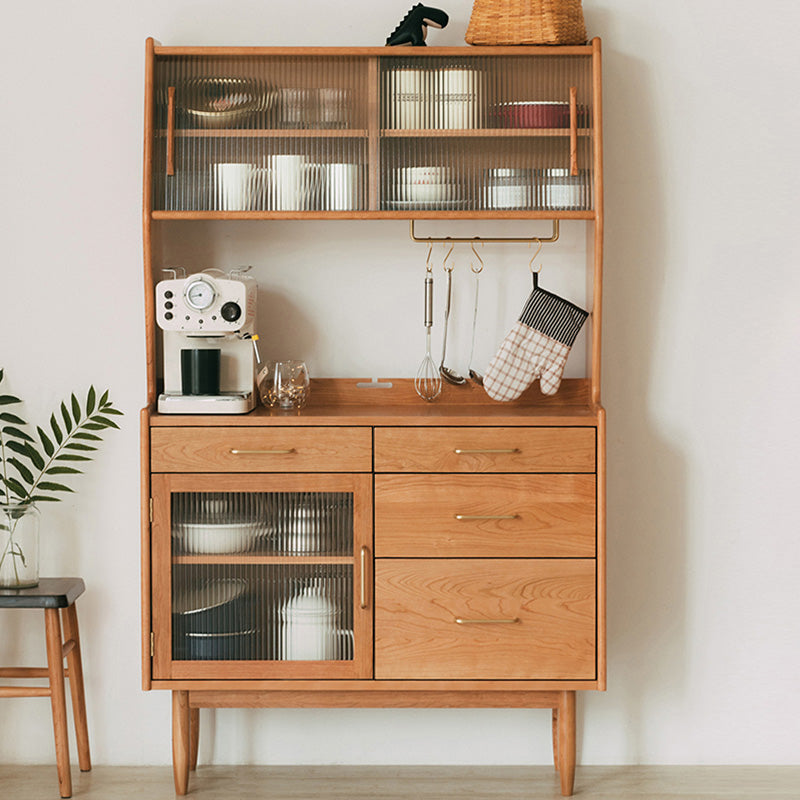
207	311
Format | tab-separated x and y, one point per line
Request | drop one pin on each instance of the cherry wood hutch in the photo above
463	539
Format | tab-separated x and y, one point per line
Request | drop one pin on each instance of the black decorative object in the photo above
413	28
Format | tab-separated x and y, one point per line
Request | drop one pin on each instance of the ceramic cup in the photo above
234	186
309	630
293	182
340	187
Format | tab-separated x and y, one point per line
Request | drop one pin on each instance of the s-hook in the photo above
476	271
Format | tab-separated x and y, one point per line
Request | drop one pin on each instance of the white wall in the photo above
700	380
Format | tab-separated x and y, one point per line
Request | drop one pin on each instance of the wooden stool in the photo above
52	594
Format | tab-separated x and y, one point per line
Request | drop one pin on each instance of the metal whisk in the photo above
428	382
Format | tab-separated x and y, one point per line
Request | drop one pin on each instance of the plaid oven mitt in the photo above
536	347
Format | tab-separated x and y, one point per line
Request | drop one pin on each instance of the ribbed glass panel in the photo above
250	580
262	134
484	133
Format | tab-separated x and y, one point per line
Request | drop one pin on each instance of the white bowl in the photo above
209	539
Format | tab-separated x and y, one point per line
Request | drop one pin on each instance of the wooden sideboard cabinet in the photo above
373	549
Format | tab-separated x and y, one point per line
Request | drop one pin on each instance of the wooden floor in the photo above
408	783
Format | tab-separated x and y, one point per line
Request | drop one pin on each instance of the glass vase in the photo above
19	545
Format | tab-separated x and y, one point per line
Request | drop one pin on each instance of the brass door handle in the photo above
461	621
461	452
486	516
364	555
262	452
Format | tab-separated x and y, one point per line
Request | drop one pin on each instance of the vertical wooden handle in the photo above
364	557
171	130
573	130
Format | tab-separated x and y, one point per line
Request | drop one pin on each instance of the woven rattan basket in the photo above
526	22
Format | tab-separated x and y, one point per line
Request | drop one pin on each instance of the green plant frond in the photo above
71	457
43	498
105	421
12	418
66	417
88	436
15	486
49	448
8	400
56	430
24	472
33	454
62	471
79	446
109	409
16	433
90	401
103	399
76	408
19	447
94	426
49	486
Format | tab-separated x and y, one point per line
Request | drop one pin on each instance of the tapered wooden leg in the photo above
194	736
566	742
58	698
180	741
555	738
75	663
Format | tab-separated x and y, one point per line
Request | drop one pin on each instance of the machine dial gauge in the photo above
200	294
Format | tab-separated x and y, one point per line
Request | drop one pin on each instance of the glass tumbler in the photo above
284	384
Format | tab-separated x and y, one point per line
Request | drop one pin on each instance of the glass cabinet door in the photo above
261	576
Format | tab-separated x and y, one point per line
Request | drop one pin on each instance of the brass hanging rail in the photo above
456	239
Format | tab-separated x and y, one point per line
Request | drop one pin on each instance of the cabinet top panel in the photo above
367	52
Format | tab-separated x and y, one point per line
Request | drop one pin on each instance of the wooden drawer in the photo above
484	449
485	619
485	515
247	449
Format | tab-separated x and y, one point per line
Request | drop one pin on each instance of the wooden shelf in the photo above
267	133
494	133
372	214
255	558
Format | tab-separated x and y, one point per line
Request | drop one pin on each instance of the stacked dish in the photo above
425	187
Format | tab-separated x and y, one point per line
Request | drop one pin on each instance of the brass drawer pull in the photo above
459	452
486	516
364	554
460	621
262	452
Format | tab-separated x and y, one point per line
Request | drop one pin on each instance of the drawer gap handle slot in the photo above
485	516
461	452
462	621
262	452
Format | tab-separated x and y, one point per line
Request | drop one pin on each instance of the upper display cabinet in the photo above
373	132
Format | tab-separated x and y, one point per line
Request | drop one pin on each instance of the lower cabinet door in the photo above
523	619
261	576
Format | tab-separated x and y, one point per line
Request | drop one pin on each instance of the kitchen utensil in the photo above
218	101
476	271
428	382
217	538
310	628
448	374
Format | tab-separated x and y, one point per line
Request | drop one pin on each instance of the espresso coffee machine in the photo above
208	320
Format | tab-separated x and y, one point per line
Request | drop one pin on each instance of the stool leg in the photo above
58	698
180	741
75	664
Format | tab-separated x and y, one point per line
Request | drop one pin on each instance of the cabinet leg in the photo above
566	742
194	736
180	741
555	738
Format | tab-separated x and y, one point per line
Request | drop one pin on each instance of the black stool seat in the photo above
50	593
